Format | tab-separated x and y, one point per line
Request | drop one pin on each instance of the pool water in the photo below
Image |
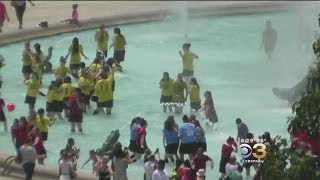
231	65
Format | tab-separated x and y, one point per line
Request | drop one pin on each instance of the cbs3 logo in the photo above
246	151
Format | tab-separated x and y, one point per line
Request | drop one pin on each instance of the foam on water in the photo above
231	65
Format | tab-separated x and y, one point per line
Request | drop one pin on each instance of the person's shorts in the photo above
172	148
222	166
49	106
76	118
58	106
188	148
187	73
27	69
107	104
44	136
66	103
165	99
2	117
74	66
132	146
30	100
195	105
119	55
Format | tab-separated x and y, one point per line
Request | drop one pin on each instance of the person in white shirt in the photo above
232	165
150	166
160	173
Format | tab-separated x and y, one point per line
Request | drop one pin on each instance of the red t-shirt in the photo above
200	162
39	146
74	108
141	131
2	11
227	150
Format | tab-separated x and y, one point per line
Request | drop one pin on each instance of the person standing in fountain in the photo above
187	61
76	51
76	110
119	43
195	101
269	39
27	61
102	38
166	96
179	93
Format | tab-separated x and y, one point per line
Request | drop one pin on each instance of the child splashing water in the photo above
187	61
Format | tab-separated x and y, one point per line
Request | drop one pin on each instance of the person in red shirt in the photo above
199	161
2	115
15	133
22	132
38	145
226	151
76	104
141	143
3	15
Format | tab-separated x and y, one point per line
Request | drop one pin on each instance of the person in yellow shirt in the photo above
179	93
85	86
104	93
62	71
95	66
27	61
67	90
50	99
102	38
166	95
118	43
33	86
58	99
76	51
43	123
114	67
187	61
194	91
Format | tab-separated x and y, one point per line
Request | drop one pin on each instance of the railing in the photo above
7	165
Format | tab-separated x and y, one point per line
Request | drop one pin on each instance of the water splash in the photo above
180	9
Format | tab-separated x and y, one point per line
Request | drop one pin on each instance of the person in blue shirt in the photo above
170	139
243	129
201	141
188	139
135	124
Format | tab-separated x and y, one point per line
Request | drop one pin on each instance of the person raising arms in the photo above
187	61
76	50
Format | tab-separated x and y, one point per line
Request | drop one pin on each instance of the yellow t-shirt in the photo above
166	87
187	60
94	68
178	89
27	60
102	40
103	89
75	57
58	94
119	42
84	82
37	68
33	87
194	93
62	71
42	124
67	89
50	95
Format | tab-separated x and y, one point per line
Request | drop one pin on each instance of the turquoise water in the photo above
231	65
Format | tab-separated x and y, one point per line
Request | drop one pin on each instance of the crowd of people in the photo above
95	83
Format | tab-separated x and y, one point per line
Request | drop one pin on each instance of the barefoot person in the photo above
269	39
102	38
166	96
187	61
179	93
74	20
3	15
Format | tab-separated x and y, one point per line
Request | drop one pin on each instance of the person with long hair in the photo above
65	169
76	51
102	38
134	126
76	104
187	61
67	90
38	145
120	162
170	139
194	91
201	141
27	61
141	143
118	43
166	96
179	93
209	109
15	134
